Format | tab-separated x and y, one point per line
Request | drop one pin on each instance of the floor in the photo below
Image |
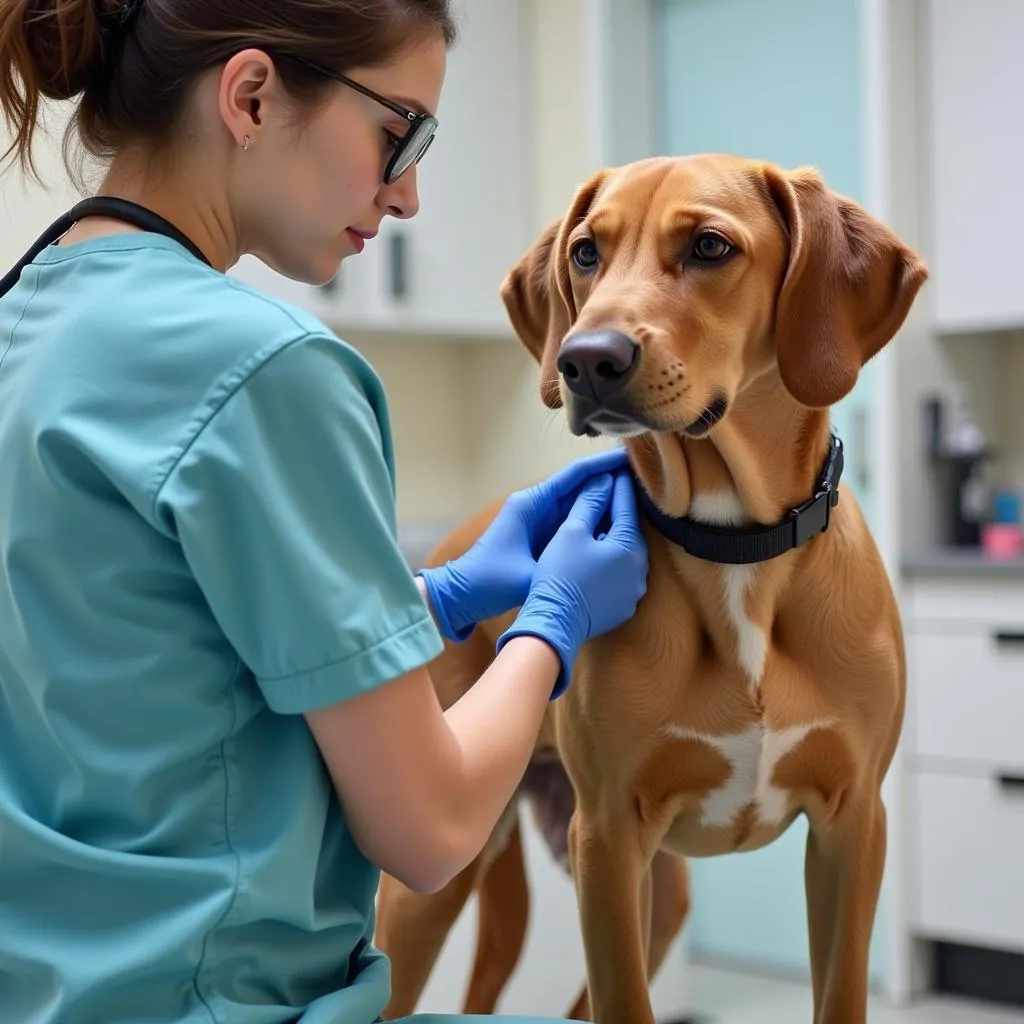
726	997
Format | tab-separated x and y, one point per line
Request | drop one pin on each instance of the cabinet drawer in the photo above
966	699
957	602
968	858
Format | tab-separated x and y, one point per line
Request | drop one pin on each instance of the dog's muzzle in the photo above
596	367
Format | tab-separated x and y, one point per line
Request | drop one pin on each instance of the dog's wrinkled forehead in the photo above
659	201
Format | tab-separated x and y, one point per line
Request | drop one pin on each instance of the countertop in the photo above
959	562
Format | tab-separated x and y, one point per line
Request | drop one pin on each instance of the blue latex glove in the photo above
591	575
495	574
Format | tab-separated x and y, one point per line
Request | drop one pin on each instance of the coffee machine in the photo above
959	454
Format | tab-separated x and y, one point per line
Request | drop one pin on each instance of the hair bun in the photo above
66	42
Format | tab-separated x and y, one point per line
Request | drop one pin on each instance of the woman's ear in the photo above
848	287
245	84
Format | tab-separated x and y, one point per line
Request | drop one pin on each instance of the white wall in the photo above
26	207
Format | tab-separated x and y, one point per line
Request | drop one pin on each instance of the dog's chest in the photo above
751	641
750	789
748	638
750	785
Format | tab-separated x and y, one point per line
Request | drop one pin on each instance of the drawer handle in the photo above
1009	638
1013	783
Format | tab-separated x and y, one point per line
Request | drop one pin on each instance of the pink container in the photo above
1002	540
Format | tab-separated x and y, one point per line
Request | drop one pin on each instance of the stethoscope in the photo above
100	206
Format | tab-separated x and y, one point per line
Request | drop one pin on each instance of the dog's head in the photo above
673	283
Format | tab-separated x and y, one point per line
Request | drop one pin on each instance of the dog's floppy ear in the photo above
848	287
536	310
537	293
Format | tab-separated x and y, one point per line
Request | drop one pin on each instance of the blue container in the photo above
1006	507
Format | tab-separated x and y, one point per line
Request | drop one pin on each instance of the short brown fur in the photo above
781	330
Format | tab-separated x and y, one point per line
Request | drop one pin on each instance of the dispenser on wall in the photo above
959	452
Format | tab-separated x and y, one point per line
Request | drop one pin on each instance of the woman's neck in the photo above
182	200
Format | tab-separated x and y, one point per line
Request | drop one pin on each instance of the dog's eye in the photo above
584	254
710	247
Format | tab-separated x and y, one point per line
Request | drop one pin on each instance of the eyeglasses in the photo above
409	149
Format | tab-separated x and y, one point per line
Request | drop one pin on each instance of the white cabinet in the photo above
974	152
440	272
970	845
965	723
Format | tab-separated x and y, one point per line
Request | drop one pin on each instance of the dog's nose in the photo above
598	363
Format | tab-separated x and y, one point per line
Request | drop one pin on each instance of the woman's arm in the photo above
422	788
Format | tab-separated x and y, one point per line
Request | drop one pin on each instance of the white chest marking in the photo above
723	508
753	757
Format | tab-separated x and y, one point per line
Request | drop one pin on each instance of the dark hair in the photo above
134	62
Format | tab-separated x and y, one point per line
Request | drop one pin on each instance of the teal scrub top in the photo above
197	545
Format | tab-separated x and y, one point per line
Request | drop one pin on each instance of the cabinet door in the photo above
973	118
777	81
440	272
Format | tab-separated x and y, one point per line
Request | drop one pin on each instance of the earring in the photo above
246	143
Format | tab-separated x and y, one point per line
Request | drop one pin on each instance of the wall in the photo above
1009	357
27	208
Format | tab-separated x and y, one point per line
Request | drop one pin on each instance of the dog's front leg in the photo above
843	871
610	867
669	906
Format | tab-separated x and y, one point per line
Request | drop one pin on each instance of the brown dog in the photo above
708	310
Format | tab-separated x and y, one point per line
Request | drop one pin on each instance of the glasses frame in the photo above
413	118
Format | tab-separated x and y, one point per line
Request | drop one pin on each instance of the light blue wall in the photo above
776	80
771	79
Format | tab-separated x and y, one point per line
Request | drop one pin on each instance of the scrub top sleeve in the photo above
284	506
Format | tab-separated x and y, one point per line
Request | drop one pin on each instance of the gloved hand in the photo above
494	575
589	579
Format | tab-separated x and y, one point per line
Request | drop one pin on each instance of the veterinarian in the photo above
201	595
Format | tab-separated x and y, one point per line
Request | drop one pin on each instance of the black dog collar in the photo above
742	545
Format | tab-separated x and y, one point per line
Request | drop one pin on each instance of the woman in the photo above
201	599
